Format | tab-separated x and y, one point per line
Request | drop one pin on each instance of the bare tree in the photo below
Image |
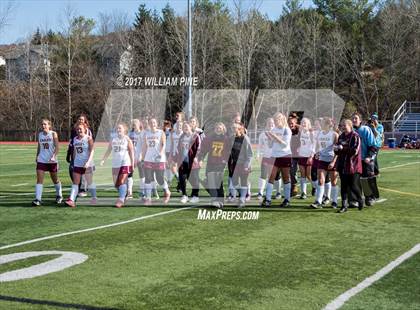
75	29
6	10
250	30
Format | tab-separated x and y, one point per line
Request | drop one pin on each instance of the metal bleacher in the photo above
407	118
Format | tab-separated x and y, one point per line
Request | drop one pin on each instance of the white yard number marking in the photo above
66	260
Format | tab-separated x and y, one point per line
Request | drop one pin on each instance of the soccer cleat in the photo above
334	205
313	192
215	204
303	196
82	194
184	199
166	197
241	203
129	196
259	196
247	197
70	203
342	210
119	203
230	198
354	204
195	199
325	201
316	205
369	202
58	199
266	203
278	196
147	201
36	203
93	201
360	206
285	204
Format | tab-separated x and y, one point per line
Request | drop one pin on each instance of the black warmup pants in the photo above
192	176
369	174
351	189
293	171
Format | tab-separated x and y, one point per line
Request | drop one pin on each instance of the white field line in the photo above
397	166
93	228
21	184
341	300
16	175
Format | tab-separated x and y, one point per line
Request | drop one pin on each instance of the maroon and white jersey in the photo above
185	143
325	145
81	151
120	155
307	144
175	140
153	146
137	139
264	145
46	148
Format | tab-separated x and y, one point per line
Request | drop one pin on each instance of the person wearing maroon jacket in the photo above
349	164
188	147
217	148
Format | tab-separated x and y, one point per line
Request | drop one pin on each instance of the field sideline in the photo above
293	258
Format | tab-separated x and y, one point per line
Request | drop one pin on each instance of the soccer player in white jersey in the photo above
82	164
326	139
306	151
136	137
281	157
189	167
154	156
168	129
46	160
172	162
264	153
316	128
122	161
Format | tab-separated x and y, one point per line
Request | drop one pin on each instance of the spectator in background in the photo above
378	132
368	180
405	142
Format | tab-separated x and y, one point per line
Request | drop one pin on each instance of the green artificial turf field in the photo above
294	258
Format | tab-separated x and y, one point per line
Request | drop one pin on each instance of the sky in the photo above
27	15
